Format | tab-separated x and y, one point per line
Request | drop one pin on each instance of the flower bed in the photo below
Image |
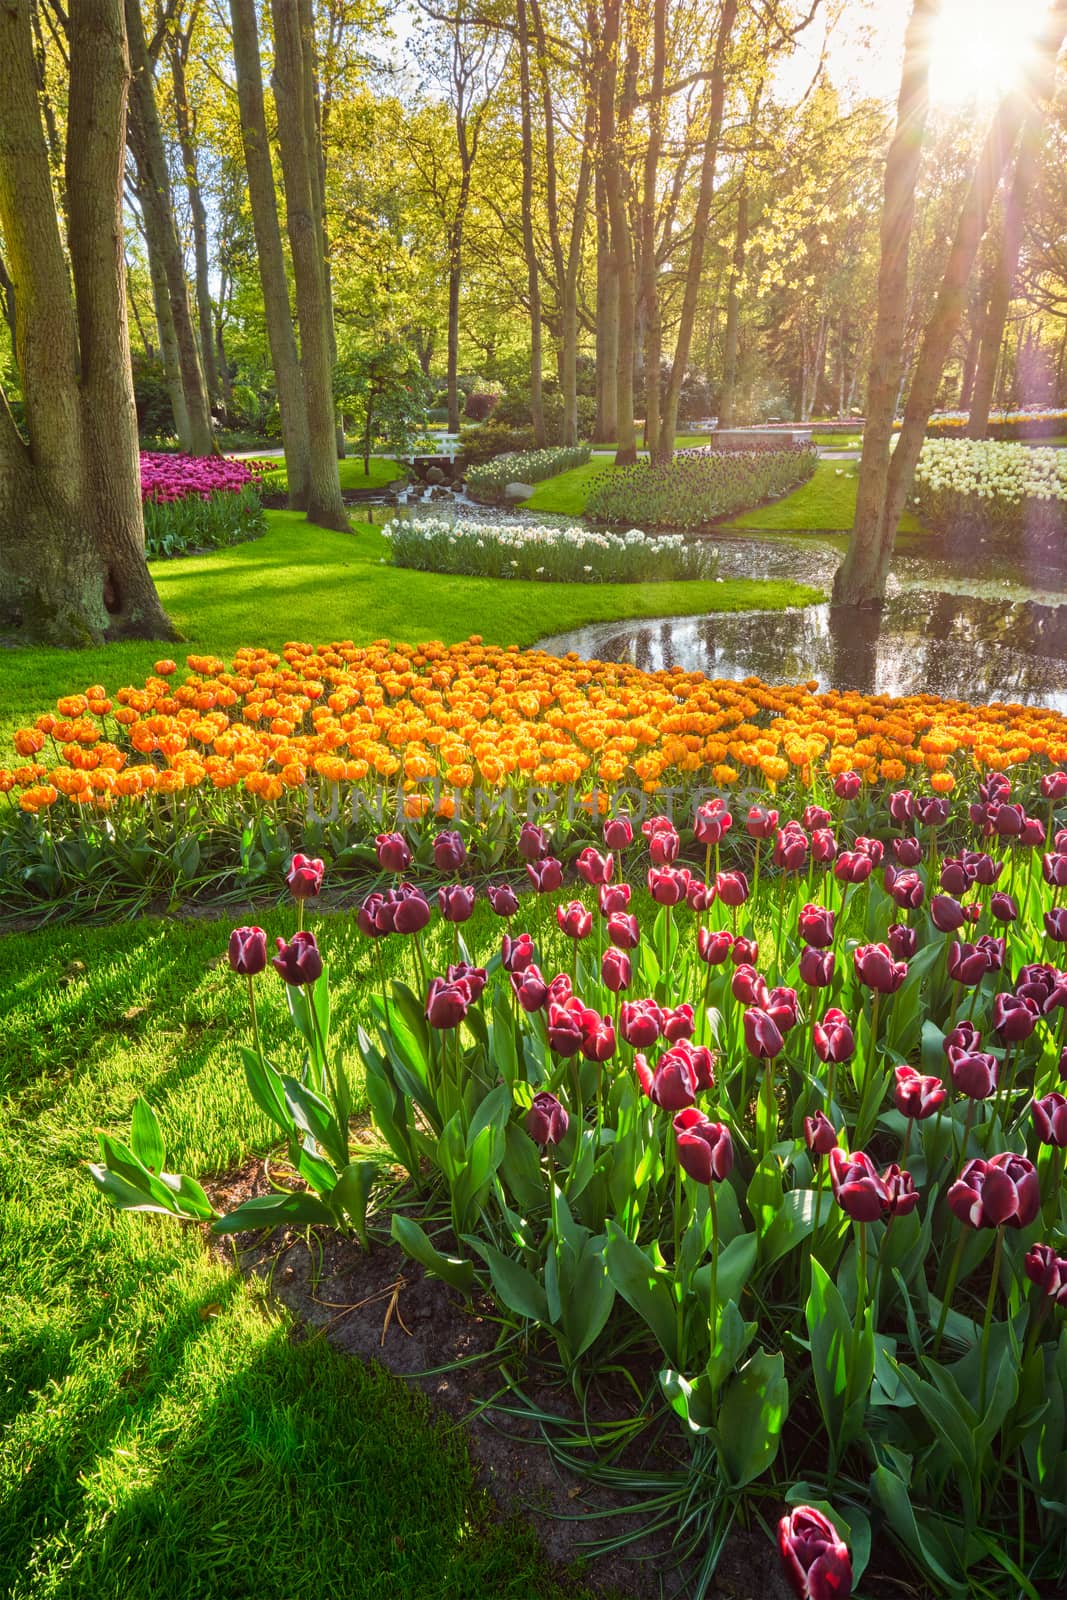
202	780
489	480
574	554
199	502
699	485
1004	425
1006	489
784	1142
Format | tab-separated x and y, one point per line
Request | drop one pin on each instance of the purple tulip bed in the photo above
769	1108
199	503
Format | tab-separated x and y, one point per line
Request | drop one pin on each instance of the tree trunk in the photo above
263	198
325	505
607	321
184	122
168	343
728	396
621	238
146	142
1007	266
569	354
533	281
698	240
648	296
856	579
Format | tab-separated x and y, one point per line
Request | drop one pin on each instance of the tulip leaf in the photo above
792	1224
733	1335
314	1116
520	1168
751	1418
192	1200
122	1161
513	1285
692	1399
453	1270
146	1138
124	1196
830	1335
274	1211
592	1295
265	1087
734	1270
645	1287
926	1544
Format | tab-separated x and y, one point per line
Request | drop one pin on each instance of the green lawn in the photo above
826	503
383	470
838	441
300	582
162	1431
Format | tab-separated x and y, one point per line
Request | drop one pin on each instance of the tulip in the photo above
456	901
873	849
902	806
673	1083
876	968
1033	833
763	1038
816	967
411	911
447	1003
974	1072
304	877
761	823
1002	908
994	950
905	888
667	885
933	809
816	926
1054	870
823	846
503	899
791	848
903	1195
714	945
858	1190
699	896
394	854
783	1007
618	833
533	842
852	866
474	977
917	1096
615	969
598	1036
1054	785
574	920
1041	983
1014	1018
902	940
847	785
663	841
367	915
955	877
946	913
594	868
986	870
1047	1271
1056	924
966	963
964	1036
820	1135
705	1148
711	822
744	950
612	897
299	961
907	852
546	1121
247	951
677	1023
516	954
565	1028
1002	1190
995	786
834	1038
1008	820
545	874
640	1023
624	931
529	987
747	985
449	851
732	888
816	817
1050	1119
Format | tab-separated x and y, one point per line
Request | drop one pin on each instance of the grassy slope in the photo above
160	1430
307	583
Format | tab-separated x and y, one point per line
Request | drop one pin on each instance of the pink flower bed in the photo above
166	477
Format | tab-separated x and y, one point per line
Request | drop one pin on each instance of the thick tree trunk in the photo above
1007	266
325	505
185	123
728	396
648	295
698	240
569	352
607	321
263	198
146	141
168	343
529	245
856	579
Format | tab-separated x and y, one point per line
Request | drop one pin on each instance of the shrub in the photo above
479	406
489	480
567	555
1001	488
699	485
481	442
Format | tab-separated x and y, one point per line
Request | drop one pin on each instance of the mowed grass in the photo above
163	1429
383	470
301	582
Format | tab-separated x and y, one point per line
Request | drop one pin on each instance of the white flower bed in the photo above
1006	487
569	554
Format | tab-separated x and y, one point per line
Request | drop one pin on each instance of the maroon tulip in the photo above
902	940
545	874
618	833
834	1038
823	846
1054	785
873	849
673	1083
299	961
1056	924
816	926
711	822
761	823
902	806
411	910
640	1023
1047	1271
995	786
247	951
533	842
946	913
529	987
964	1036
705	1149
699	896
967	964
974	1072
612	897
876	968
791	848
917	1096
1002	1190
518	953
744	950
304	877
503	899
663	841
667	885
994	950
905	888
783	1007
559	989
574	920
748	986
1002	908
394	854
1033	833
732	888
858	1190
903	1195
449	851
714	945
820	1135
474	977
1050	1119
615	969
956	877
565	1028
1014	1018
1054	870
447	1003
907	852
1008	820
456	901
594	868
852	866
677	1023
847	785
598	1036
1038	982
933	809
624	931
763	1038
367	915
546	1121
816	967
815	816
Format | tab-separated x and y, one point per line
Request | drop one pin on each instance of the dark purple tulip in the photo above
1037	982
304	877
876	968
907	852
394	854
823	846
858	1189
640	1023
732	888
1050	1119
503	899
247	951
1054	870
714	945
529	987
624	931
814	816
994	950
705	1149
964	1036
575	920
903	1195
748	986
816	967
673	1083
711	822
744	950
933	809
699	896
902	807
612	897
852	866
598	1036
545	874
449	851
518	953
761	823
594	868
1033	833
791	848
1002	907
663	841
1056	924
946	913
546	1120
816	926
966	963
447	1003
783	1008
1014	1018
474	977
820	1135
847	785
995	786
1002	1190
834	1038
533	842
1054	785
762	1036
667	885
299	961
1008	820
615	969
456	901
618	833
905	888
565	1027
955	877
677	1023
974	1072
985	870
873	849
411	911
917	1096
367	915
1047	1271
902	940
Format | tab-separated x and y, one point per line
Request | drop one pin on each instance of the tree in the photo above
72	565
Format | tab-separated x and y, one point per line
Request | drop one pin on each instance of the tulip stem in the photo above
255	1019
679	1286
993	1282
755	873
714	1262
300	916
861	1283
950	1286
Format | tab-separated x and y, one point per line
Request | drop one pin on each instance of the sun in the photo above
980	48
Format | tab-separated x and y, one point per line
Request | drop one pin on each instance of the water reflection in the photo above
956	646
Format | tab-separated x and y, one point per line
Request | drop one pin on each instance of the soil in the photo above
381	1306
